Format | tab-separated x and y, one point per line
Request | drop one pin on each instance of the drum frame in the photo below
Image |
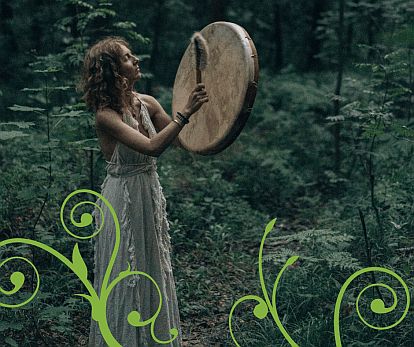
241	119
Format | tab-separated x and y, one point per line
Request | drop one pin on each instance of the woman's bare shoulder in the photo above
145	97
150	102
106	115
107	112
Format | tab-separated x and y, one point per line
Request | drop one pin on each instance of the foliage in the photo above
281	165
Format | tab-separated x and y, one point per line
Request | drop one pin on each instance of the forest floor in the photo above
210	280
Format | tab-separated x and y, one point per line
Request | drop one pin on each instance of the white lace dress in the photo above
132	187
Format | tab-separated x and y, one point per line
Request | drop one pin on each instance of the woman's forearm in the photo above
164	138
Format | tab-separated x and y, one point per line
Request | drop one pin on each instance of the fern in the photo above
314	246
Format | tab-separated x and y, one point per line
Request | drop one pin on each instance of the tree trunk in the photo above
349	40
9	43
36	27
374	17
157	30
340	69
314	43
278	36
370	38
410	84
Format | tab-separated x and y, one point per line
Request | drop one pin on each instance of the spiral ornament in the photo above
78	266
377	306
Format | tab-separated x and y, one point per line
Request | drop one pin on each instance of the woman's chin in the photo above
135	78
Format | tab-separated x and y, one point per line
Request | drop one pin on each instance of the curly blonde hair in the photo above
101	83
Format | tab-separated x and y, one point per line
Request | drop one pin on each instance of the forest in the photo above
327	151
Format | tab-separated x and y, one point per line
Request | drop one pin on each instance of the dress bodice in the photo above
126	161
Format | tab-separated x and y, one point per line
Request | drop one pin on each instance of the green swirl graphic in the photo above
17	278
264	306
78	267
377	305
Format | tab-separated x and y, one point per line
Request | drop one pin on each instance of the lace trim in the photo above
145	118
162	225
98	222
125	226
159	203
147	124
129	119
160	211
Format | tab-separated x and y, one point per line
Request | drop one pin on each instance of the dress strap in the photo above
146	118
127	118
115	156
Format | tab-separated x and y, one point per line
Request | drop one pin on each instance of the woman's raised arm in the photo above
111	122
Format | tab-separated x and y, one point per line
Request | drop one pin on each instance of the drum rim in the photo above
240	120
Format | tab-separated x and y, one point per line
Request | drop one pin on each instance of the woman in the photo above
133	129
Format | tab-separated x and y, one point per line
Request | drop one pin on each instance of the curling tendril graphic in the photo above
264	306
377	305
78	266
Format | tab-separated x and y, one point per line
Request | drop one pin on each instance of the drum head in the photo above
230	78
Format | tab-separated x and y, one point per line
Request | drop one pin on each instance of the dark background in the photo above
327	149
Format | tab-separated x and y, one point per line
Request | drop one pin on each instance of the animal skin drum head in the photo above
230	77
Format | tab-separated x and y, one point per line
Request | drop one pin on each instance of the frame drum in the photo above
230	77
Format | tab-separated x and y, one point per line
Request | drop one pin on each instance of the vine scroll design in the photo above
78	267
265	306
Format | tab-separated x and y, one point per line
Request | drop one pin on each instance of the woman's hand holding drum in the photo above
195	100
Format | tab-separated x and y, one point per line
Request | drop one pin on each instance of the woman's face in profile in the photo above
129	65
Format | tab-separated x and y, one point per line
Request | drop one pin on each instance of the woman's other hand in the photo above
196	99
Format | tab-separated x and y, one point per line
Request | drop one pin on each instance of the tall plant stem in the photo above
410	84
368	250
372	186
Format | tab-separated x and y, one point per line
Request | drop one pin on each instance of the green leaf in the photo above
69	114
10	325
8	135
132	35
20	108
292	260
11	342
82	4
125	25
95	149
79	264
82	142
21	125
108	4
60	88
270	225
33	89
403	130
48	70
335	119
